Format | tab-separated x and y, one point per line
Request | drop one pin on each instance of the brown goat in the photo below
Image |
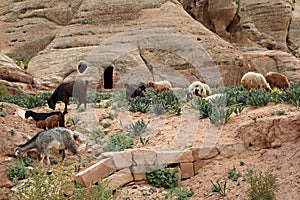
76	89
50	122
278	80
159	86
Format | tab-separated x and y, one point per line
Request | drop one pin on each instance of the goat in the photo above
253	80
64	91
133	90
197	89
51	122
278	80
59	138
39	116
159	86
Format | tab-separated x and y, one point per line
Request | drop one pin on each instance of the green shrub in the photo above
139	104
262	185
220	115
119	99
162	177
157	108
277	95
93	97
135	129
27	101
258	97
119	142
17	172
292	95
216	109
98	133
169	101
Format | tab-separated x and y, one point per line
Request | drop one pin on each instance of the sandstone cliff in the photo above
216	42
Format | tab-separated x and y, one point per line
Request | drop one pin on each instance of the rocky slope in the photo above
231	38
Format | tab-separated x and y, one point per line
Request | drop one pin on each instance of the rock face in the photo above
252	24
17	80
271	132
119	40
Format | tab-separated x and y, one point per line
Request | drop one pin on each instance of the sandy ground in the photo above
170	132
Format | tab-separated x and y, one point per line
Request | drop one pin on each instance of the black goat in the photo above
133	90
42	116
76	89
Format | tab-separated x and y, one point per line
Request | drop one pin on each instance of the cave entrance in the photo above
108	77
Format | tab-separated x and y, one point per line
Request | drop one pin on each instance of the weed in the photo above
254	118
179	193
157	108
98	133
2	113
262	185
217	188
107	104
21	62
109	116
144	140
75	121
102	191
233	174
119	99
12	132
81	109
162	177
242	163
135	129
106	125
278	112
119	142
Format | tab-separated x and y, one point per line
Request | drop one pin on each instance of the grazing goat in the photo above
51	122
59	138
197	89
133	90
253	80
159	86
207	89
278	80
42	116
64	91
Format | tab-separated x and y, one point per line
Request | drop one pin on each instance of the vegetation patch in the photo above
162	177
119	142
262	185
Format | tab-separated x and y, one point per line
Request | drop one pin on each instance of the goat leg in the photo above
63	155
66	109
